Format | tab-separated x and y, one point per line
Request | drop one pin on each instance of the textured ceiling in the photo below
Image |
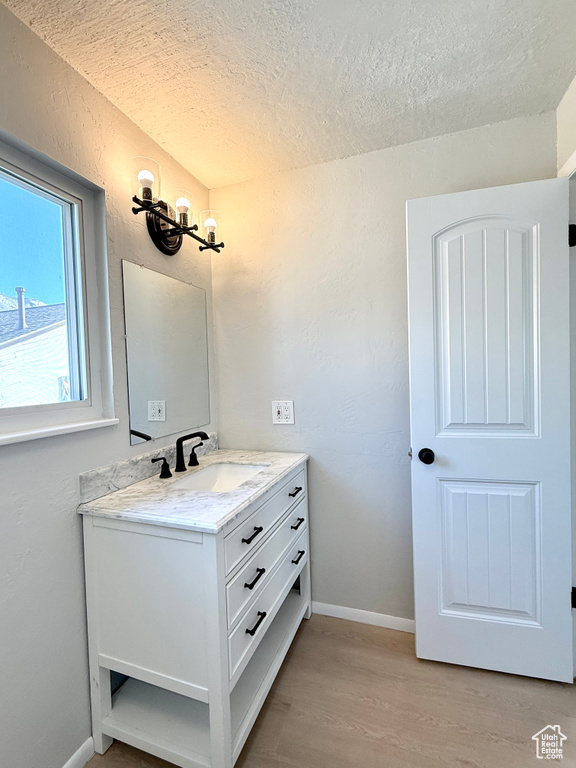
234	89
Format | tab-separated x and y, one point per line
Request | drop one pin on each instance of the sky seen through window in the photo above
31	245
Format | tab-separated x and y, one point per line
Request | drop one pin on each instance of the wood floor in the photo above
351	695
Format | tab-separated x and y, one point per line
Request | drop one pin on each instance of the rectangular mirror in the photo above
167	354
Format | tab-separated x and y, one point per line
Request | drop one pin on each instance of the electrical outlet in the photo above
283	412
156	410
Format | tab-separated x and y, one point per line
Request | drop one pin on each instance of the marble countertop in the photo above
162	502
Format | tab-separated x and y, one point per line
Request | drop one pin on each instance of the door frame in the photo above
569	167
568	170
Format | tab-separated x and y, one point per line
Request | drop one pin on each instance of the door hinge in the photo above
571	235
573	597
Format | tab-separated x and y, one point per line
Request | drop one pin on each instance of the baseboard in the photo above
82	755
364	617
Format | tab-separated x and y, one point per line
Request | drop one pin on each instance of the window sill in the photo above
60	429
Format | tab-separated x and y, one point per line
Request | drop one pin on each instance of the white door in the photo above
490	397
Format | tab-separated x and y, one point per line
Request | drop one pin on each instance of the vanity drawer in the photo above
247	537
244	640
259	569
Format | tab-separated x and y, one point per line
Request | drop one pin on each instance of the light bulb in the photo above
146	180
210	227
182	205
183	208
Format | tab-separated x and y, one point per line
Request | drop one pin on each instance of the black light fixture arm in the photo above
153	209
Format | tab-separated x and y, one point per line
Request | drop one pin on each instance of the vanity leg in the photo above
305	588
100	690
218	674
101	699
220	736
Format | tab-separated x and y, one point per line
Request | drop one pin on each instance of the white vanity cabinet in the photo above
199	622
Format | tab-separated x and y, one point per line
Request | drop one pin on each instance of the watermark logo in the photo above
549	743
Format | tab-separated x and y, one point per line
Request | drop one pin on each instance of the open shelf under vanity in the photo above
173	726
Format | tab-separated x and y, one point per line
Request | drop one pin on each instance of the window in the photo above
54	343
42	341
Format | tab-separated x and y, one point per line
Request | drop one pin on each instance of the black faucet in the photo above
180	463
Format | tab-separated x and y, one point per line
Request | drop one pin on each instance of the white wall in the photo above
566	116
310	304
44	704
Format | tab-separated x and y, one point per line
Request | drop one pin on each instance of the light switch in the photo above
156	410
283	412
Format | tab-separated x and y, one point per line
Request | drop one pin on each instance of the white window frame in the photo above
89	271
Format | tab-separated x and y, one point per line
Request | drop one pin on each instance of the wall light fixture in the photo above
167	225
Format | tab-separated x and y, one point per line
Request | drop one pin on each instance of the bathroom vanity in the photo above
196	596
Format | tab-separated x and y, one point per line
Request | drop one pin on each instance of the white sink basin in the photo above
220	478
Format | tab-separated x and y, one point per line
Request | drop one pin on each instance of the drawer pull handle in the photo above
301	554
262	615
259	573
296	491
299	522
257	529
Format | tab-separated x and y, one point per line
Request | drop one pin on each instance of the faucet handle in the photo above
165	470
193	458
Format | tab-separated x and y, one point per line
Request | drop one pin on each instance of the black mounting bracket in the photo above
571	235
573	597
166	233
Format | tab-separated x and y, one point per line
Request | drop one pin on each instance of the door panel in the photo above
485	298
491	550
490	395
